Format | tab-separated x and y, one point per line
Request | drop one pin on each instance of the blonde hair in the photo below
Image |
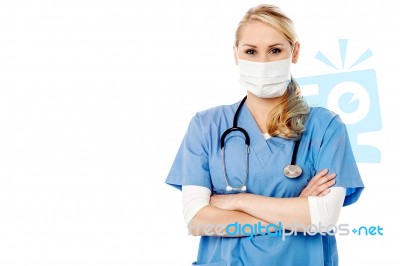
287	119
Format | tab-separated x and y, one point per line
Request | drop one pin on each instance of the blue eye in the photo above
250	52
275	51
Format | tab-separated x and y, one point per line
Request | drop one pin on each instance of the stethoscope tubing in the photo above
290	171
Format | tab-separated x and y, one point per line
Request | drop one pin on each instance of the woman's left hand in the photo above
225	201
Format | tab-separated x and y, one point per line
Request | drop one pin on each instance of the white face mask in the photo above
265	80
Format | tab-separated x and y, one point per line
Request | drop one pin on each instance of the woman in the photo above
226	190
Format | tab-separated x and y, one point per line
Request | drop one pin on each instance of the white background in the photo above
95	97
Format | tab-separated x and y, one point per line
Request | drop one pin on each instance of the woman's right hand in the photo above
319	185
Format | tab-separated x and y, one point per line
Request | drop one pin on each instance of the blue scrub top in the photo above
324	144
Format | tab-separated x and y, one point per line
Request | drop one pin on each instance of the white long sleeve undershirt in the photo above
324	210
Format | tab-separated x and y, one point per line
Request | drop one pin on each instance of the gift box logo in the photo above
351	94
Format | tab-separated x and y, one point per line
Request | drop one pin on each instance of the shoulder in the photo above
216	114
323	117
322	120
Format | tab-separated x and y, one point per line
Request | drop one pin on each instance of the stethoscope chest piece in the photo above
292	171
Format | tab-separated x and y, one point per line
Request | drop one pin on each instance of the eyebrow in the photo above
254	46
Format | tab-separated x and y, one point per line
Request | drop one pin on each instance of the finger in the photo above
324	186
325	179
317	189
319	184
324	193
318	176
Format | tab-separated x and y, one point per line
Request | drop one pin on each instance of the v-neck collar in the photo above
262	147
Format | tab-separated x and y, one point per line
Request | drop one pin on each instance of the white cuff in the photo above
325	211
194	198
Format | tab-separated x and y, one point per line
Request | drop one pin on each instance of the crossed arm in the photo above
246	208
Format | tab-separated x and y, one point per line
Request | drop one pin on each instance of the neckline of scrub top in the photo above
262	147
266	135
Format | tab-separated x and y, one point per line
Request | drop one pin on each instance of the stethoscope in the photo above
291	171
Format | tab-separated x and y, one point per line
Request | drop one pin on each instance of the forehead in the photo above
259	33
